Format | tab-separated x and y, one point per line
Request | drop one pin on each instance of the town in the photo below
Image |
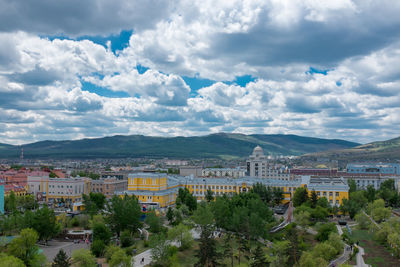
259	211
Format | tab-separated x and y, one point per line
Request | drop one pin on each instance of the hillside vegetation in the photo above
211	146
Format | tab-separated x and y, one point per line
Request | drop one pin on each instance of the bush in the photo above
325	230
74	222
98	247
126	239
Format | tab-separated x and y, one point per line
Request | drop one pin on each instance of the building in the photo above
153	190
223	172
316	171
190	170
374	168
114	174
1	197
258	166
108	186
53	190
363	180
160	190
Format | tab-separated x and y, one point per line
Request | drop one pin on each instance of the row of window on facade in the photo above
324	193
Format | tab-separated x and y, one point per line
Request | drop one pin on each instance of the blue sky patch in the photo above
313	70
196	83
118	41
141	69
102	91
339	83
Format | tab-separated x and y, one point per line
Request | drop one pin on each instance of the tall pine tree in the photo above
207	254
258	258
61	259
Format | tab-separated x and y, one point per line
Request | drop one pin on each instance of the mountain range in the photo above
221	145
376	151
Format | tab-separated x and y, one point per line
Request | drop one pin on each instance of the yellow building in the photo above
160	190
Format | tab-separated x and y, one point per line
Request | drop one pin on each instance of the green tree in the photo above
24	247
45	223
124	213
154	222
170	215
120	259
352	186
302	218
11	261
97	247
379	212
94	203
10	202
370	193
265	193
61	259
258	258
101	232
207	254
182	234
314	199
277	195
325	230
83	258
309	260
324	250
300	196
362	220
228	247
203	216
280	252
185	197
209	195
126	239
159	249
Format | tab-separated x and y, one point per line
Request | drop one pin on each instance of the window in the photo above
337	194
331	201
337	202
217	187
318	193
324	194
330	194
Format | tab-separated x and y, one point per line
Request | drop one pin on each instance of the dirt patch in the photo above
378	255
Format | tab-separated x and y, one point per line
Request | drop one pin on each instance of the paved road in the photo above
146	255
51	250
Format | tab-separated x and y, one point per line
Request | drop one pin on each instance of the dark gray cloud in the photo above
75	17
37	76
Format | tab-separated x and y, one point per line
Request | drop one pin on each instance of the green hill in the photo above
376	151
220	145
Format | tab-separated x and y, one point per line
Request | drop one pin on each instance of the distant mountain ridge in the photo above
221	145
388	150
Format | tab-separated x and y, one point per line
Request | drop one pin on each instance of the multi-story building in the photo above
363	180
374	168
258	166
109	186
223	172
160	190
57	189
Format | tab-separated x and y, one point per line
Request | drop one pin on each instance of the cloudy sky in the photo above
71	69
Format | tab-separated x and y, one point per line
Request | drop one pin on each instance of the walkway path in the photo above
360	259
146	255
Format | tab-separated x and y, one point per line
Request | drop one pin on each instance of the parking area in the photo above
52	248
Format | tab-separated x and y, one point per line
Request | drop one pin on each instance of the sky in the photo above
73	69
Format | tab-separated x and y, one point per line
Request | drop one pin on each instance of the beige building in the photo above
57	189
258	166
109	186
223	172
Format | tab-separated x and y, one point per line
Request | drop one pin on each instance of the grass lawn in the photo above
375	253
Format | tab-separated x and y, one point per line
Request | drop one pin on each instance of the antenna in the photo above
22	153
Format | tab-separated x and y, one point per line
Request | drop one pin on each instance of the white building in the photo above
223	172
56	189
258	166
